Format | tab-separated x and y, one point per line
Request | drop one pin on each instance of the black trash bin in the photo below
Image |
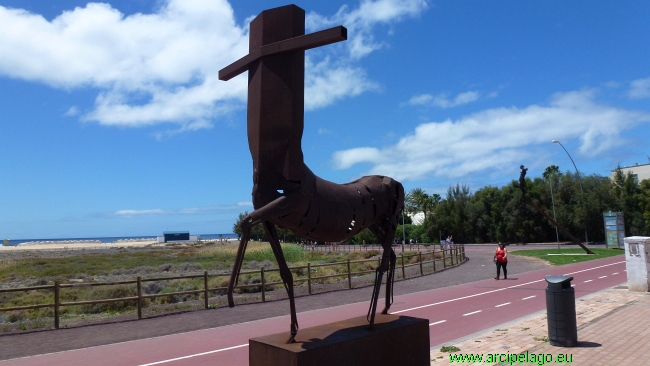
561	311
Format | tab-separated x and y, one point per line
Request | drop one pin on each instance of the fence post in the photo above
444	259
205	288
433	257
263	282
349	275
139	297
451	254
403	273
309	277
420	257
56	304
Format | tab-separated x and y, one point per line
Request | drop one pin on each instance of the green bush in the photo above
110	292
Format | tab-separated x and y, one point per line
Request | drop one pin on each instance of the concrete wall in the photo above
642	171
637	263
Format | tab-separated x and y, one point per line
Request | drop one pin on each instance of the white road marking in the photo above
473	312
497	290
401	311
504	304
442	321
464	297
194	355
592	268
602	276
587	281
615	273
573	285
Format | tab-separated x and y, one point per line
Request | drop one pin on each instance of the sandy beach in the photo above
80	244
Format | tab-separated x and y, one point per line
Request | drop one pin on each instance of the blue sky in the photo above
114	123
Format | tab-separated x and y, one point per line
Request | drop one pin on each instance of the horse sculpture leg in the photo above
285	274
386	239
390	279
239	259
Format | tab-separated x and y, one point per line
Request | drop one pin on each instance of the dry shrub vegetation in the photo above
43	268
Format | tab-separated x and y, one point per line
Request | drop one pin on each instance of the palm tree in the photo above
551	171
419	201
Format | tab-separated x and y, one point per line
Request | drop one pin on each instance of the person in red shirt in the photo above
501	259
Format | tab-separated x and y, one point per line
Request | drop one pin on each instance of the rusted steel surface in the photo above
285	191
395	340
299	43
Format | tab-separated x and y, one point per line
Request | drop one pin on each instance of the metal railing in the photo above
448	258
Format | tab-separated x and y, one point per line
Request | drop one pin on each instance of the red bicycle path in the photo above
453	312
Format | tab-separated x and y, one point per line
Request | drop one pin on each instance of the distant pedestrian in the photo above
501	260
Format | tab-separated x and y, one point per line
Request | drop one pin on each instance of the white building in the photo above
416	218
639	171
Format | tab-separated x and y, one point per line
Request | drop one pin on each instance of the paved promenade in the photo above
613	329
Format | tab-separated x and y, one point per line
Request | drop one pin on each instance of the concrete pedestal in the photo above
637	263
394	340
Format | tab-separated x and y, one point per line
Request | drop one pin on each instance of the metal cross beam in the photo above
300	43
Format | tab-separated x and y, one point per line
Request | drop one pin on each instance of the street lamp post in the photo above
584	200
557	235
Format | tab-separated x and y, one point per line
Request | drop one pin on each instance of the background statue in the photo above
285	191
522	179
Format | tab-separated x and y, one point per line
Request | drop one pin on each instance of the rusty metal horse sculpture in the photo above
285	192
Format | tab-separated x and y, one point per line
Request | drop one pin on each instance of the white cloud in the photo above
362	20
494	138
129	213
180	211
163	67
421	99
464	98
72	111
326	83
148	68
347	158
442	100
640	88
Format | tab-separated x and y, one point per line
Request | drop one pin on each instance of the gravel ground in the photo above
478	267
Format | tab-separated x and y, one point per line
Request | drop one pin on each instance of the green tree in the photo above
419	201
550	171
364	236
257	231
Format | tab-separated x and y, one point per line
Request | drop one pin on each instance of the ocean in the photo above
110	239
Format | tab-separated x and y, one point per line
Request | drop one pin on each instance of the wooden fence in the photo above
449	258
